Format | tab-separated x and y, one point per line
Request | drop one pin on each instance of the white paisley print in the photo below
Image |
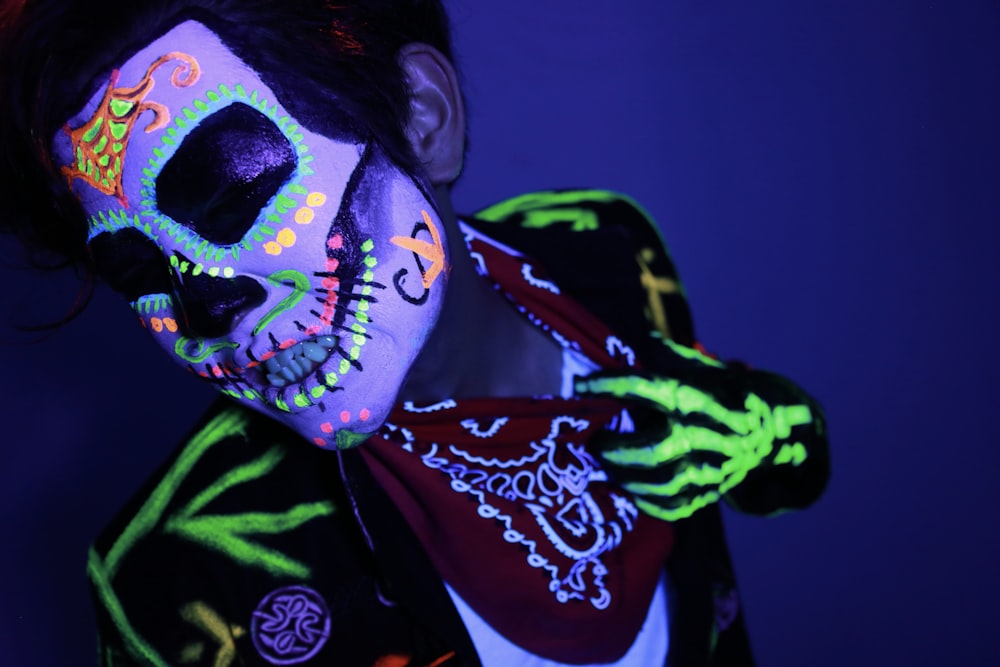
555	483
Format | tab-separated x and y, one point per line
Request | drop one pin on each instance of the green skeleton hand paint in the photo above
298	273
705	430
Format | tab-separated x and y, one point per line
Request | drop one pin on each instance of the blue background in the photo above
827	175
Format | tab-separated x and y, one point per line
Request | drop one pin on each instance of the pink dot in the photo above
332	263
320	441
364	414
335	242
345	416
326	427
312	330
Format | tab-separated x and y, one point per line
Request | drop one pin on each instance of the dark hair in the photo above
328	61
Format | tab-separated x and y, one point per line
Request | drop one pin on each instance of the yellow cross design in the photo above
656	286
212	624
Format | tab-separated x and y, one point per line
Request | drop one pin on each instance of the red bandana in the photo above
515	513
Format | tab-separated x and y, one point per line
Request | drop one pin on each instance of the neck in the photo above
481	346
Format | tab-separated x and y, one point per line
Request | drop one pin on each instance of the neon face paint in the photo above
297	273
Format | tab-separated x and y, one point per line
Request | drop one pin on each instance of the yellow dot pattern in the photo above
285	238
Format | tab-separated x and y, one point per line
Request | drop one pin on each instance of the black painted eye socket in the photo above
224	173
131	264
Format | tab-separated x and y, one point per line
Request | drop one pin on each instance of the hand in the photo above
701	433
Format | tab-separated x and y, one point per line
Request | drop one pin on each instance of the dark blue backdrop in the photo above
827	174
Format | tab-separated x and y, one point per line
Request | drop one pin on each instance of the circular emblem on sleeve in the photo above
290	625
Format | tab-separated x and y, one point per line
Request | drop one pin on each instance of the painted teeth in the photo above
294	363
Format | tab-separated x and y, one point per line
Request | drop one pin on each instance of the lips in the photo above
295	363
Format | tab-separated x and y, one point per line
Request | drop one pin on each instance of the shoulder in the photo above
244	523
605	250
543	221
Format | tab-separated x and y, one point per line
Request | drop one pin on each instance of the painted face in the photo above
297	273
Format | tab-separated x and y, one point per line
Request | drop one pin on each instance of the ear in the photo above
436	130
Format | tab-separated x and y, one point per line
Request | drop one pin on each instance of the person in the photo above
518	447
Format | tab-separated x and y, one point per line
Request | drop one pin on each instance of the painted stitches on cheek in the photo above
99	145
300	373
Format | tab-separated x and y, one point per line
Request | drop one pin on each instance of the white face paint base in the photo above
310	307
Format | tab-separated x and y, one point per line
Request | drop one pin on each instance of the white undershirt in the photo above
495	650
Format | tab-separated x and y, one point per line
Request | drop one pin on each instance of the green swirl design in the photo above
203	352
298	280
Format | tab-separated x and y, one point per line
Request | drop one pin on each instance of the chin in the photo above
328	429
345	417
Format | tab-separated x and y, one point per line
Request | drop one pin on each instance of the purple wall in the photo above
827	175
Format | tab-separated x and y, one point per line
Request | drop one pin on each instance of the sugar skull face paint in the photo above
298	273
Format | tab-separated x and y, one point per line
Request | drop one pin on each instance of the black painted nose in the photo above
211	306
134	266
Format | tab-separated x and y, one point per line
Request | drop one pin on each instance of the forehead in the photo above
146	107
188	38
177	73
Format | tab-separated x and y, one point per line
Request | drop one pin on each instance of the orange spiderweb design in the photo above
99	145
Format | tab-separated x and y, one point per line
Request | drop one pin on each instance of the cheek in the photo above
163	322
159	324
164	325
420	261
410	240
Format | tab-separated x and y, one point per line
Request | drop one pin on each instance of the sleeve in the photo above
227	533
605	250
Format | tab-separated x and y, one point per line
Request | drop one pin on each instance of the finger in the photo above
682	510
687	479
667	394
620	386
679	443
